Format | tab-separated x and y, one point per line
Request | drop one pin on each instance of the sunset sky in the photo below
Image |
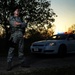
65	9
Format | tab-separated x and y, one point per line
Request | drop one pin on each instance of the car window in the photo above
71	37
59	37
74	36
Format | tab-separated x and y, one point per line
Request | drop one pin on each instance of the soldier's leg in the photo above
21	50
11	49
10	55
23	60
9	58
11	52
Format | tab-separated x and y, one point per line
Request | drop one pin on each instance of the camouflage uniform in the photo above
16	38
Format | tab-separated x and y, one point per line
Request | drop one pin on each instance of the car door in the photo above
71	43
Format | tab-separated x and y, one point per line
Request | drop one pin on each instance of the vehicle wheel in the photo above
62	51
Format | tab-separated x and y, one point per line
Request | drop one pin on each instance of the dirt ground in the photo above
37	62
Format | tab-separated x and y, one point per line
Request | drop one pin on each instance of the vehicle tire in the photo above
62	51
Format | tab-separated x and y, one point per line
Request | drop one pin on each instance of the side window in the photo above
71	37
74	36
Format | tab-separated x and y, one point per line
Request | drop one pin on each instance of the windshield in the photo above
58	37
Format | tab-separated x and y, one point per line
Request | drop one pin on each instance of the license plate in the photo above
35	49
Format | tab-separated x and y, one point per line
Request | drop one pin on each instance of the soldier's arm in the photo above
24	24
17	23
13	22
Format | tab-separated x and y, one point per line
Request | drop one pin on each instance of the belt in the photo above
15	29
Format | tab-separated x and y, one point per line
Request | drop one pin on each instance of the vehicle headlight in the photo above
52	44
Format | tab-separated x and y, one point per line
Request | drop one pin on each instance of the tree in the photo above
5	6
71	29
2	32
39	14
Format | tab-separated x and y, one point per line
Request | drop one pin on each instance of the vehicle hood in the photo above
44	42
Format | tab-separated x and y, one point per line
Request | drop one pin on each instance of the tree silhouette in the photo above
71	29
38	13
